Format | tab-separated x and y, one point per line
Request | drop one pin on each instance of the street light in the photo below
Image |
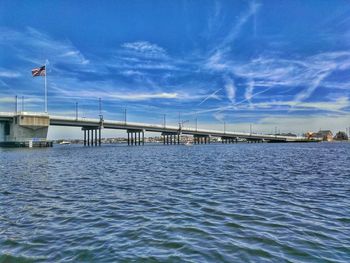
76	110
181	124
100	107
16	104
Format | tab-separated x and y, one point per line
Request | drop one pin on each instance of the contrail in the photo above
208	97
221	109
252	96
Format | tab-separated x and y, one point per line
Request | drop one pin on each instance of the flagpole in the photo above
45	89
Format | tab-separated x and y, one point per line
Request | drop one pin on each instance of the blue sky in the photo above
269	63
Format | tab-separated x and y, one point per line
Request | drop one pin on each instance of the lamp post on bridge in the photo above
76	110
100	108
164	121
125	116
16	104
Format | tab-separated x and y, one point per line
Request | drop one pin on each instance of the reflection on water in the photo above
206	203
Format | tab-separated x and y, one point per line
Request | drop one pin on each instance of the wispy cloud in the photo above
9	74
337	105
77	55
279	72
219	116
215	57
144	96
109	92
34	46
249	91
7	99
146	49
230	89
236	29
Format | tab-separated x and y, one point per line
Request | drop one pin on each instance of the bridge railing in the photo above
159	126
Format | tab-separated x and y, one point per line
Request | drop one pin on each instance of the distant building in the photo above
341	136
325	135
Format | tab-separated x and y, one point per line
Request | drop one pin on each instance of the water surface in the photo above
206	203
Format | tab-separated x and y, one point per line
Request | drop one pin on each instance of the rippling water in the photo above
206	203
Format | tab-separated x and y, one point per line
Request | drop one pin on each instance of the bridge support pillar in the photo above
88	137
135	137
92	137
228	140
99	136
171	138
201	139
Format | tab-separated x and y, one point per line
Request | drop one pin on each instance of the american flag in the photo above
36	72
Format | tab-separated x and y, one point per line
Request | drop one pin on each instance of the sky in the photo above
271	64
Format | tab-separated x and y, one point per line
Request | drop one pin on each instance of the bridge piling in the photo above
84	137
99	136
95	137
136	137
92	137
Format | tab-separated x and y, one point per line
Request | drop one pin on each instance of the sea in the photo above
176	203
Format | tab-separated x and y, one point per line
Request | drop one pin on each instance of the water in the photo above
206	203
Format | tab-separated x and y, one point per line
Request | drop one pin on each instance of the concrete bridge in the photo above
30	129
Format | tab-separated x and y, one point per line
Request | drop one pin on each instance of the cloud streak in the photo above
145	48
230	89
9	74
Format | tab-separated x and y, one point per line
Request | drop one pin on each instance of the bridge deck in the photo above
110	124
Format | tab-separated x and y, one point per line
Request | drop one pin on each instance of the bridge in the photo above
30	129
